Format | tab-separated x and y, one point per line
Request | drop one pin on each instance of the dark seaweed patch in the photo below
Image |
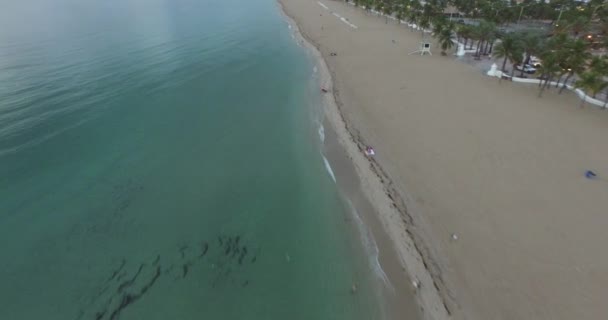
117	271
128	299
130	282
126	285
204	249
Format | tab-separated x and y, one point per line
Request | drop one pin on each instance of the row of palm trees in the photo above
565	51
563	57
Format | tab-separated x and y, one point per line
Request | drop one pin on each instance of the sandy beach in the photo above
458	153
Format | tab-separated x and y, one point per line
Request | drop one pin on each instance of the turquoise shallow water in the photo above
160	160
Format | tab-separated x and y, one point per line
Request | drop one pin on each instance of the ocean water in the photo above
160	159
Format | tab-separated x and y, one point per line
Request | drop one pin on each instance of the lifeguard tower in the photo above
425	47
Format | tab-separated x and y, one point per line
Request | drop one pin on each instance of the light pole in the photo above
521	11
496	10
561	10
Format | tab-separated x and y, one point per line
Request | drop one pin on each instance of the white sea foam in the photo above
314	70
321	133
370	246
329	170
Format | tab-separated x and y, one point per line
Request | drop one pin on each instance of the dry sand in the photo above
459	153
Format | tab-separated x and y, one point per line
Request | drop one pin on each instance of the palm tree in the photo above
425	17
439	23
413	13
484	31
531	44
548	69
386	9
603	25
556	47
446	38
518	59
490	44
576	59
464	31
599	65
473	36
431	11
368	4
591	82
509	49
579	25
479	37
400	14
377	5
476	38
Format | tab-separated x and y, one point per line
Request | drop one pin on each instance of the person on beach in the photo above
590	174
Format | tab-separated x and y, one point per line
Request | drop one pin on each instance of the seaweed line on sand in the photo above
432	268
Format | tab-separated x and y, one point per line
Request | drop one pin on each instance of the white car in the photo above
527	68
535	62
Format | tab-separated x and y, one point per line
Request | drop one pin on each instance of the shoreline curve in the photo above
378	188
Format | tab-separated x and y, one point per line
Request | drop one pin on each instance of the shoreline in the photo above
378	195
475	181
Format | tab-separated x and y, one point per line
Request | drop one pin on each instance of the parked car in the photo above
535	62
527	68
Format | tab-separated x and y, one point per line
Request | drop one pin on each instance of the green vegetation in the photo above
591	82
568	38
509	49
